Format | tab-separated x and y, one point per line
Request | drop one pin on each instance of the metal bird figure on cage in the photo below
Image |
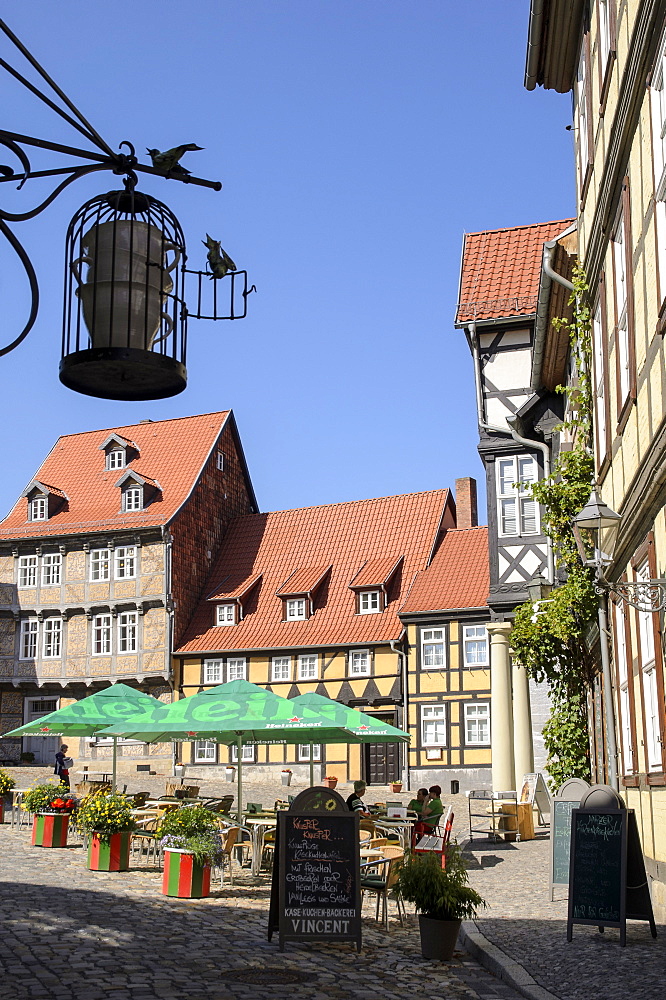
167	162
219	260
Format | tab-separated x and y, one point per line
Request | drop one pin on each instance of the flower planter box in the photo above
286	777
396	786
109	855
330	782
182	877
50	830
230	774
2	810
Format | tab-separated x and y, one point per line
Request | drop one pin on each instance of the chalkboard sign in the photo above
560	835
607	880
316	892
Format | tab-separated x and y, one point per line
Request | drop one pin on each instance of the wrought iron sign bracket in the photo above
644	595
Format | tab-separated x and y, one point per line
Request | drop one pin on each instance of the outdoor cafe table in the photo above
402	827
259	826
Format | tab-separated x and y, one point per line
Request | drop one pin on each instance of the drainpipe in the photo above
545	451
167	538
405	708
472	339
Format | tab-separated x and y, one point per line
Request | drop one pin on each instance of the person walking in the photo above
62	765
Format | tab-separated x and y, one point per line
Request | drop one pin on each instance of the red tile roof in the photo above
343	535
231	590
173	451
501	270
456	578
376	572
303	581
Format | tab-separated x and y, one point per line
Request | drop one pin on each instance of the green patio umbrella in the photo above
364	727
236	713
92	714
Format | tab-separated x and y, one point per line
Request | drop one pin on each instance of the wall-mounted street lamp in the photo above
125	313
602	523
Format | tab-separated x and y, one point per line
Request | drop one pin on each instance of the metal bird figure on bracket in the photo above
167	162
219	260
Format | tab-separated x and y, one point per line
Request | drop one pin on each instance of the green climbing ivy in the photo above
549	639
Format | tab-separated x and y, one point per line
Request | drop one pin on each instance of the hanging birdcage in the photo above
125	321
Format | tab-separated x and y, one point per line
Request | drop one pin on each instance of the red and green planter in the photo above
50	829
110	853
183	877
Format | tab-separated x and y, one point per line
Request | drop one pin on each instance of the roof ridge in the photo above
351	503
141	423
527	225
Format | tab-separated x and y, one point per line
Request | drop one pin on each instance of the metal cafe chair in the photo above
382	884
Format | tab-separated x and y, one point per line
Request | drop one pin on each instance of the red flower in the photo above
70	803
58	803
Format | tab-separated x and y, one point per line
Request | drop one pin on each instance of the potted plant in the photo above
285	774
330	781
190	839
442	896
230	773
27	757
108	820
6	785
52	806
395	786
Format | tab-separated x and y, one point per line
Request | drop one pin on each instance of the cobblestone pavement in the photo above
66	932
530	930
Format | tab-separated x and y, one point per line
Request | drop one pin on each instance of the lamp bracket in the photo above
644	595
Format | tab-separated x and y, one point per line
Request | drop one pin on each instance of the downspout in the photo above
405	708
539	445
170	608
545	451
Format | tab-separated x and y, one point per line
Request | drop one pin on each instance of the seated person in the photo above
432	810
416	805
355	801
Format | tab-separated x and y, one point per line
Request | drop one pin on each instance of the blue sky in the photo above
357	141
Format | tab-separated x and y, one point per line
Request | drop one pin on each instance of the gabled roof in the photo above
457	577
175	450
117	439
344	536
501	270
375	573
231	591
137	478
43	488
303	581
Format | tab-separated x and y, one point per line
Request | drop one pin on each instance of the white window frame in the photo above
658	107
205	752
39	509
360	662
472	637
52	639
237	668
248	753
100	565
128	631
515	506
27	571
115	459
649	680
621	310
213	671
604	30
431	639
51	569
29	639
124	559
225	614
307	670
476	713
599	382
619	632
280	668
133	498
102	635
369	602
582	111
434	714
220	461
295	609
303	753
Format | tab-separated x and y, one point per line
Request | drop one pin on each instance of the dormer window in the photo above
296	609
133	498
225	614
39	509
369	602
115	458
118	451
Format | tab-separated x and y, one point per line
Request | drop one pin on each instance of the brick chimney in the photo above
466	516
